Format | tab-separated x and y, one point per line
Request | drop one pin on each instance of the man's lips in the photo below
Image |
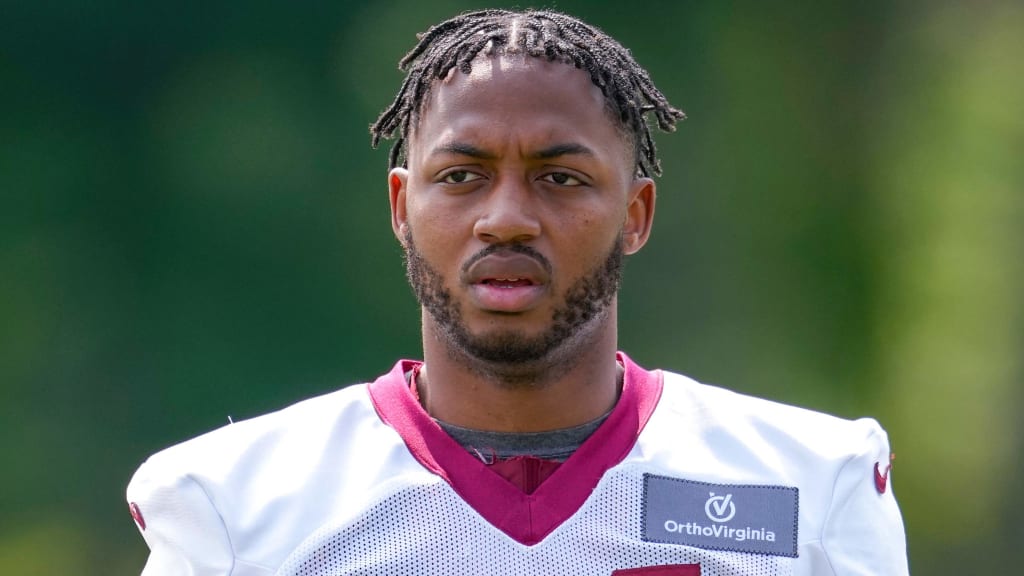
507	281
508	269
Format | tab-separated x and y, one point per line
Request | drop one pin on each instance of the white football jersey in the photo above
682	479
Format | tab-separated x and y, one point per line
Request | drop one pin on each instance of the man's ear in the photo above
639	215
398	179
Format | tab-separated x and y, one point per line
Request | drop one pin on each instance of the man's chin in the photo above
508	348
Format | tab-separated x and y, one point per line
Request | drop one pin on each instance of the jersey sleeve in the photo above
863	533
179	523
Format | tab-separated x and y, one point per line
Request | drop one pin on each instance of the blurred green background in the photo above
193	226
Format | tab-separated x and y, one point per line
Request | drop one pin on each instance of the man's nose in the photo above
508	213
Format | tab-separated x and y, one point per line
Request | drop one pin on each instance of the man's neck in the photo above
564	395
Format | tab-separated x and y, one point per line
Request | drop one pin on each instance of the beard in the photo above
511	352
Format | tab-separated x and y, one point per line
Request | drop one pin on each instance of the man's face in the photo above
517	205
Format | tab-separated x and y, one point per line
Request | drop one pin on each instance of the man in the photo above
524	443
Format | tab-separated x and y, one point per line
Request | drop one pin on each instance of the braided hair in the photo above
627	88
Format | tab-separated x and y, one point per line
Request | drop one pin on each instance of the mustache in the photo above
507	248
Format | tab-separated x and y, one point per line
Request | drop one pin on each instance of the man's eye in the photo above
563	179
460	177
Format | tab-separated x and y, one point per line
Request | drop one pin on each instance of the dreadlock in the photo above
627	88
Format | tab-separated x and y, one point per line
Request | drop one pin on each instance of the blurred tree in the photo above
947	185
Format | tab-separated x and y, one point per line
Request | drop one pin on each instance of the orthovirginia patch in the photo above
735	517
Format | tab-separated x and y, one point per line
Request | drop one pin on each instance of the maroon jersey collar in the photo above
527	518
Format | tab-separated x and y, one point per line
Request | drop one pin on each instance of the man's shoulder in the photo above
836	468
211	498
295	427
742	417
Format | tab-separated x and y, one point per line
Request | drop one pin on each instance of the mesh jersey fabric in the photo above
428	529
347	484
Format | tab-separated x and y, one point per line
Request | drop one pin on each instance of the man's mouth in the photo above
507	270
507	282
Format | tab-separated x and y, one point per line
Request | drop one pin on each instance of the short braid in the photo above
627	88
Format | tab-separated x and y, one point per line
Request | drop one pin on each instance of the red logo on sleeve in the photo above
137	515
882	478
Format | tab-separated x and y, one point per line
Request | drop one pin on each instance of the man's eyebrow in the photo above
462	149
567	149
555	151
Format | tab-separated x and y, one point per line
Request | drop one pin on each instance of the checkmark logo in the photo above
720	508
723	505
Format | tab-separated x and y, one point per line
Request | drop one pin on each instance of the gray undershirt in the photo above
555	445
489	446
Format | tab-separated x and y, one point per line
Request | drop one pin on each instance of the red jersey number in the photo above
666	570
